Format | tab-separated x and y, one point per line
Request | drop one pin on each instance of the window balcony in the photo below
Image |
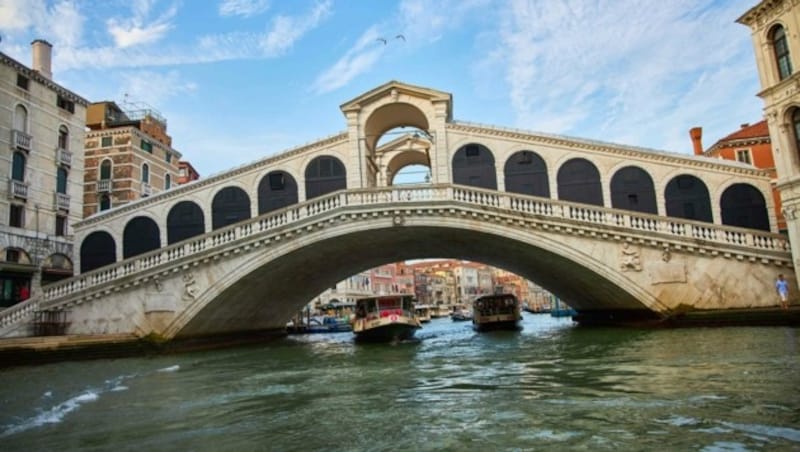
17	189
63	157
21	140
62	202
104	186
147	189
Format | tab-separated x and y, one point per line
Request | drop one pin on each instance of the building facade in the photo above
41	167
129	156
775	31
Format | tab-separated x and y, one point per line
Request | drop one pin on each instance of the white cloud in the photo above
423	22
154	88
244	8
61	24
359	59
140	29
285	30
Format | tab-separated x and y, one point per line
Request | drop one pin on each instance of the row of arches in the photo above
526	172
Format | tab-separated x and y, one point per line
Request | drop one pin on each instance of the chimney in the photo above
697	139
41	50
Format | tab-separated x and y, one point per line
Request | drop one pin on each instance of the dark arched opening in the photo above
632	188
276	190
526	173
687	197
97	249
579	181
185	220
324	174
473	165
744	206
140	236
230	205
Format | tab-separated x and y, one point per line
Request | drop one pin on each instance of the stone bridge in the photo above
611	229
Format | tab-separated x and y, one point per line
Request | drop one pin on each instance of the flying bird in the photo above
381	40
400	37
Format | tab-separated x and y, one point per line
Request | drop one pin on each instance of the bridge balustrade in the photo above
512	203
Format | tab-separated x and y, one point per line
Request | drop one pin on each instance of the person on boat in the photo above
782	287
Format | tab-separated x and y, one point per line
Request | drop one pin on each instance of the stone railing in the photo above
528	207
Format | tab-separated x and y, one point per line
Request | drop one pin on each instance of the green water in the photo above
551	386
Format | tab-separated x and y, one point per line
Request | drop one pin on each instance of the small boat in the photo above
423	313
496	312
460	313
439	310
325	324
386	318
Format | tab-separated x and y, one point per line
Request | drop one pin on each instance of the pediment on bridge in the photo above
391	92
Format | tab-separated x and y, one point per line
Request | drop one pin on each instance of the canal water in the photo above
551	386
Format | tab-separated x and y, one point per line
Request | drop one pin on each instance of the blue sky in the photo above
239	80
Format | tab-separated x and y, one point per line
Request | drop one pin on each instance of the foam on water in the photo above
54	415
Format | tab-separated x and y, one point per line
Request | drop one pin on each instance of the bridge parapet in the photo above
569	218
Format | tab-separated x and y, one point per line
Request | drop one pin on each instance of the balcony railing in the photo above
104	186
147	189
21	140
62	202
64	157
17	189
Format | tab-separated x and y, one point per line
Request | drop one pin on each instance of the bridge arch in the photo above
632	188
579	181
686	196
404	159
185	220
141	235
230	205
276	190
324	174
525	172
97	249
743	205
474	165
390	115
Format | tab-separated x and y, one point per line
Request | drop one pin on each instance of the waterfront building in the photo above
774	26
750	145
129	155
41	137
186	173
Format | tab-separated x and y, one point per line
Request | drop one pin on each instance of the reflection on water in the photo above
551	386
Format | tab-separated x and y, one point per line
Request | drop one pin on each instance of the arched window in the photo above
579	181
105	202
796	128
105	170
526	173
146	173
324	174
276	190
185	220
687	197
20	119
632	189
61	180
141	235
473	165
744	206
230	205
63	138
781	47
18	167
167	182
97	249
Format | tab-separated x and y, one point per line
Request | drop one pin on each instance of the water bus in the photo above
423	312
496	312
386	318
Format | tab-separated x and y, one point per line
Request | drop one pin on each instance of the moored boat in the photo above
386	318
496	312
423	313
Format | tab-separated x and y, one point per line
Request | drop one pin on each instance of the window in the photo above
276	181
61	226
63	138
743	155
105	202
13	255
146	173
16	216
105	170
146	146
167	182
781	47
796	128
106	142
182	172
20	119
18	167
22	81
168	157
65	104
61	181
